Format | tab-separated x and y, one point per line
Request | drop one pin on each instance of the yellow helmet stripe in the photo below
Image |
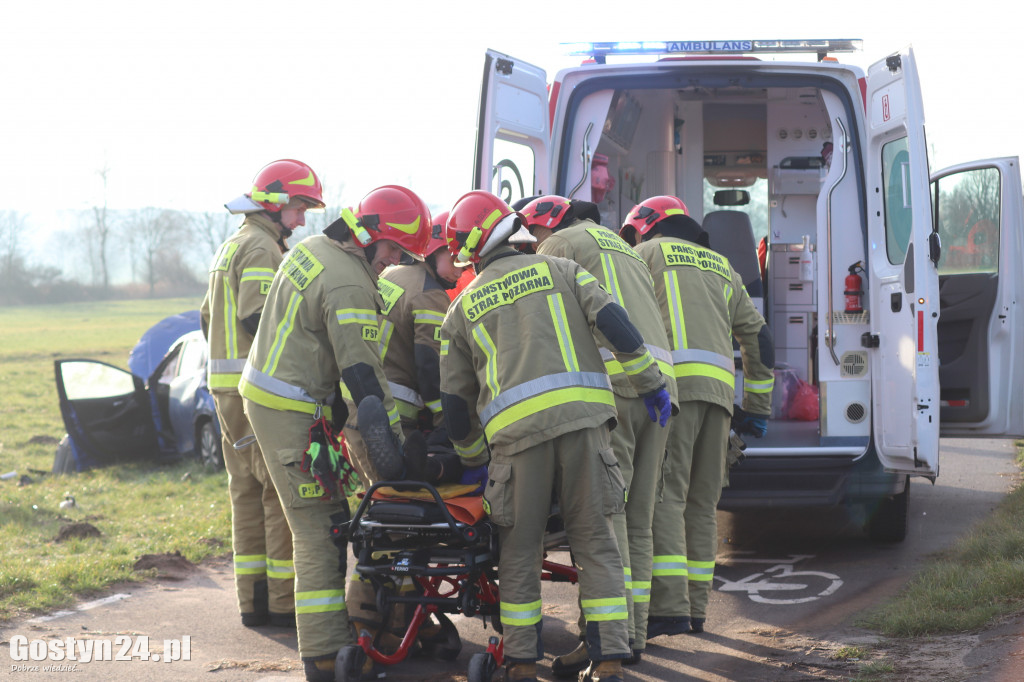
408	228
308	181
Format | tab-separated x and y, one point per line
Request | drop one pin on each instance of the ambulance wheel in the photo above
348	664
481	668
889	521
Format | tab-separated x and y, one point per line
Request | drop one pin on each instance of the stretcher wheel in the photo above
469	602
348	664
481	668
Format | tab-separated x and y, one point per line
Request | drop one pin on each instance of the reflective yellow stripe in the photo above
545	401
230	330
407	410
520	614
669	564
638	365
250	564
675	310
444	346
483	340
320	601
386	331
357	316
758	386
283	569
474	449
611	278
434	406
556	306
224	380
284	329
583	278
699	369
276	402
641	591
427	317
596	610
257	274
701	571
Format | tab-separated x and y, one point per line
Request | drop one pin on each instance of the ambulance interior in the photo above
753	166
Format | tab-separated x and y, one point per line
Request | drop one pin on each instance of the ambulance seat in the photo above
731	234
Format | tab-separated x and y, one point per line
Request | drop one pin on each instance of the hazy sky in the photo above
185	101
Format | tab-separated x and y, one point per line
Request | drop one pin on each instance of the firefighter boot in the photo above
322	668
260	614
521	672
667	625
696	625
382	445
605	671
572	663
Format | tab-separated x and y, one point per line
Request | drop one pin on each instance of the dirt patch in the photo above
43	440
70	531
254	666
167	566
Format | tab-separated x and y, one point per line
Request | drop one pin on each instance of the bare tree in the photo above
101	231
12	223
211	230
156	236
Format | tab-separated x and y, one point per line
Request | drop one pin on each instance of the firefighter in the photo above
570	229
319	337
703	305
240	277
525	393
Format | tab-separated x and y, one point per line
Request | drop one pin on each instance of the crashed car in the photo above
160	411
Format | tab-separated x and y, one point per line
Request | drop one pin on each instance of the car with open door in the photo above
891	292
159	411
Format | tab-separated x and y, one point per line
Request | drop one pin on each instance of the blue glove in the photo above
749	423
659	405
475	475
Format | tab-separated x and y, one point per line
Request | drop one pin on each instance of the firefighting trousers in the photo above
260	538
685	526
639	447
580	470
320	615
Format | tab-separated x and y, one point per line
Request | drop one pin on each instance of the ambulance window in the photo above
757	208
967	215
896	198
512	176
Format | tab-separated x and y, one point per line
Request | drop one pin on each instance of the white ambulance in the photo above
824	169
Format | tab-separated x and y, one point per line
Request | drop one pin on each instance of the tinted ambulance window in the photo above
967	215
896	198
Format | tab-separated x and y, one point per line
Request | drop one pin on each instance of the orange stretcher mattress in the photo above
468	509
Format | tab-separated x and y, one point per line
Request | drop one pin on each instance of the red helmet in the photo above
546	211
279	182
437	240
649	213
393	213
478	223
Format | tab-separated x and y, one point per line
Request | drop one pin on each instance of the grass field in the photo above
138	509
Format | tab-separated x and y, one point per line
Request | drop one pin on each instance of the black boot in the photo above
416	457
381	442
667	625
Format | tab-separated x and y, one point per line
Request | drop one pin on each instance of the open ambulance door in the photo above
512	134
902	278
981	331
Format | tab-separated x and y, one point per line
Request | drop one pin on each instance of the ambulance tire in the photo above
889	522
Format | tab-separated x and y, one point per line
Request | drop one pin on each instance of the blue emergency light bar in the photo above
711	47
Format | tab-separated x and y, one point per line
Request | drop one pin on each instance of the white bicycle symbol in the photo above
784	579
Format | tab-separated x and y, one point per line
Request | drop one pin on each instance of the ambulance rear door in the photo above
981	328
902	278
513	131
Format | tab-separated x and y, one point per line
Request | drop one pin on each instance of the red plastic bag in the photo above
804	404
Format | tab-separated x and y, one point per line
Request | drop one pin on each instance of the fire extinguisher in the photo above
853	291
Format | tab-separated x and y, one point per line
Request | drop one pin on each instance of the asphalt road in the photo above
780	576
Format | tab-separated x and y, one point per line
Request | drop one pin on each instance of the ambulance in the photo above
891	292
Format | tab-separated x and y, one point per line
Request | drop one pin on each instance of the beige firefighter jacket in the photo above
625	276
703	305
240	277
320	325
519	361
415	304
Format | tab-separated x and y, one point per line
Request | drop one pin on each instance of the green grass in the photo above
138	509
980	578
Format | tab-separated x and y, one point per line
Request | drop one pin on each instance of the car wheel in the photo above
889	522
209	447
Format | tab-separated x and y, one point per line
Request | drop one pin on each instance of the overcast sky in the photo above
185	101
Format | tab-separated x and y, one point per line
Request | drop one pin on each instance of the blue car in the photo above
160	411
